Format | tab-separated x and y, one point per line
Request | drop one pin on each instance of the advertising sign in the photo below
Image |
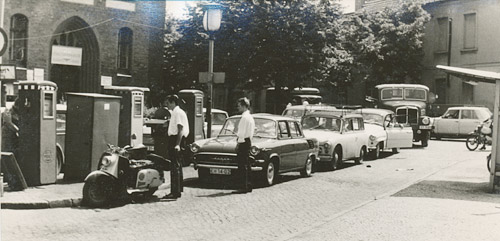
64	55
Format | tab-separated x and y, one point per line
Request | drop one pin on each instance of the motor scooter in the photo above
122	175
482	135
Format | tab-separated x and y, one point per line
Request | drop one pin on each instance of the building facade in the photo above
471	43
84	44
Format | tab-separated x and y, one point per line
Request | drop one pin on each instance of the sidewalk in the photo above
63	193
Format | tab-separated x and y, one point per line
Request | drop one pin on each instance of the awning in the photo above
471	74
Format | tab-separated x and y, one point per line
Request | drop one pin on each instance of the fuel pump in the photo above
131	113
37	131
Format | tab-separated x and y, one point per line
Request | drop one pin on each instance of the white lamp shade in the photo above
211	19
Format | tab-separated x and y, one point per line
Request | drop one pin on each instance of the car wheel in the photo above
395	150
425	142
361	158
60	161
376	153
336	162
269	174
307	171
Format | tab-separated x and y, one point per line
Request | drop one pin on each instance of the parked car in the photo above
384	132
459	121
340	137
278	146
218	118
299	111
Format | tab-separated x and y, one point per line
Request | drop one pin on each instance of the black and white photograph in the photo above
276	120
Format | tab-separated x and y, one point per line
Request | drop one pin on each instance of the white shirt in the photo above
245	127
178	117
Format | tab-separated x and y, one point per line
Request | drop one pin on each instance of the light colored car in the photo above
299	111
459	121
340	137
384	132
218	118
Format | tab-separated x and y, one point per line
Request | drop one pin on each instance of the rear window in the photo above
294	113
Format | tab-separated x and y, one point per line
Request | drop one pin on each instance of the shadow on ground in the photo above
465	191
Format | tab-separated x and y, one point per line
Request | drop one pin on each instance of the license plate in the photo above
150	148
425	127
220	171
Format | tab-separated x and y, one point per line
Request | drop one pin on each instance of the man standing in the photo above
159	132
178	130
245	132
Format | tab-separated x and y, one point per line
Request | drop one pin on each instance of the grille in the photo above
216	158
407	115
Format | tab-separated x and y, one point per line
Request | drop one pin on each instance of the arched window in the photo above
124	50
18	39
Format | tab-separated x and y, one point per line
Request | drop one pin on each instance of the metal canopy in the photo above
471	74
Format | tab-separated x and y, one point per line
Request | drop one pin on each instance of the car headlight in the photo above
422	112
372	138
326	145
426	120
254	150
194	148
106	160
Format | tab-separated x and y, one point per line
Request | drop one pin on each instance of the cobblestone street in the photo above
290	209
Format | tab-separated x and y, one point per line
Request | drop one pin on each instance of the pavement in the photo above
63	193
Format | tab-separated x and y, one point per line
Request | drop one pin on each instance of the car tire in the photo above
362	155
375	154
269	174
60	160
336	161
395	150
425	142
307	171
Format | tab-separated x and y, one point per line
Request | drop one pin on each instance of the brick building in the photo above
79	43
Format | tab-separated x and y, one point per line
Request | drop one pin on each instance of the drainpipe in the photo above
450	24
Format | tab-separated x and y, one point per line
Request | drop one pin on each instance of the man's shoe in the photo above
171	196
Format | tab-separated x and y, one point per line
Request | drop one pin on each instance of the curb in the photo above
71	202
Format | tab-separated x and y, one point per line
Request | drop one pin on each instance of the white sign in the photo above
38	74
64	55
106	80
29	75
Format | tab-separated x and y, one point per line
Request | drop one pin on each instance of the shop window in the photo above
18	39
124	50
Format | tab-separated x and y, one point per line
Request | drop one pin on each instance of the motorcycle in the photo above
124	174
482	135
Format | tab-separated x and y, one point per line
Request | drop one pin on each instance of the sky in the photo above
177	7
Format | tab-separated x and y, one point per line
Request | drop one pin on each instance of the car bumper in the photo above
225	167
325	158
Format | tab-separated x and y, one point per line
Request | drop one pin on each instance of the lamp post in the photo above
211	23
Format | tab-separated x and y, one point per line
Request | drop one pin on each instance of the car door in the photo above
349	144
398	136
468	121
360	137
287	153
301	146
448	124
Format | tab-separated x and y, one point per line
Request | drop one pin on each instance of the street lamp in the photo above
211	23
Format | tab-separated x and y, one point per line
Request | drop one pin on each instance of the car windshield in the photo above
263	127
392	93
415	94
322	123
294	113
373	118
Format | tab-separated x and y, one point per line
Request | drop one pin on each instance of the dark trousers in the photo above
244	168
175	157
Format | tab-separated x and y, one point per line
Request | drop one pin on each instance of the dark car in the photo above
278	146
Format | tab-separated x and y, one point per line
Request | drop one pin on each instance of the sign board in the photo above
64	55
218	77
3	41
29	75
7	72
106	80
38	74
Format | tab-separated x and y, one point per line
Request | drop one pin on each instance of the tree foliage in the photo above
293	43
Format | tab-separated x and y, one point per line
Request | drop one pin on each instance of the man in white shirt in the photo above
178	130
246	129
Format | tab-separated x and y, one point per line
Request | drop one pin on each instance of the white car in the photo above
459	121
385	133
218	118
340	137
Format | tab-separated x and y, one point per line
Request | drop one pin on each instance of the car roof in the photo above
467	108
215	110
310	107
373	111
401	86
333	114
267	116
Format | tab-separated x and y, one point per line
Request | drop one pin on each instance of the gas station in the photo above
492	78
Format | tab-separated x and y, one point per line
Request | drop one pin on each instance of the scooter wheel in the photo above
97	193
